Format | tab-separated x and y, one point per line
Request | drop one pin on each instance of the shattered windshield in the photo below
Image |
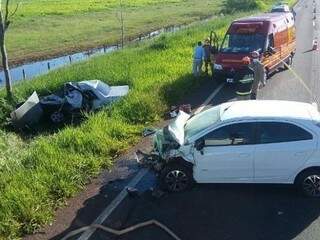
243	43
201	121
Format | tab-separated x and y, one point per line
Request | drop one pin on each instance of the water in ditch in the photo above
30	70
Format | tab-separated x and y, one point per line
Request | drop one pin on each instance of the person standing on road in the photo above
207	55
198	60
259	74
244	79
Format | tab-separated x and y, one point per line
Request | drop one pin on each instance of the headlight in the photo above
218	67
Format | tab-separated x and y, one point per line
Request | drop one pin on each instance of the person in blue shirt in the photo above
198	60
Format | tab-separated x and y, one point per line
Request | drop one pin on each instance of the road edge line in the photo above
206	102
114	204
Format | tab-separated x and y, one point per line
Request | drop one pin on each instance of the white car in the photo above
281	8
242	142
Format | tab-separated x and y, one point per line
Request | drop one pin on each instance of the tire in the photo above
308	183
176	178
57	117
289	62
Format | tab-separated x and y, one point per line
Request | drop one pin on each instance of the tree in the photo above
5	21
121	21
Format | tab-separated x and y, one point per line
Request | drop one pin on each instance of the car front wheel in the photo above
289	62
309	183
176	178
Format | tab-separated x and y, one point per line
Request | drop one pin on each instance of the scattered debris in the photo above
150	160
148	132
174	111
280	213
28	113
157	193
132	192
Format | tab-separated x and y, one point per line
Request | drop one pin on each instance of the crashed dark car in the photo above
74	98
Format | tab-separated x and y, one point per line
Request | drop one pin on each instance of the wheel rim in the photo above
311	185
57	117
176	180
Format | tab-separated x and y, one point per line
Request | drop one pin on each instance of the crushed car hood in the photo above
176	128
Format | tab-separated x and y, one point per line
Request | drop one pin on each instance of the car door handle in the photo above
244	155
298	154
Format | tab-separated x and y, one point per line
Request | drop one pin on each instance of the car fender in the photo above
185	152
308	165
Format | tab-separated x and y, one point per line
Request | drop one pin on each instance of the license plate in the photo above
230	80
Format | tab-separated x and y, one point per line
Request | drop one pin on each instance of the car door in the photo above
226	155
281	150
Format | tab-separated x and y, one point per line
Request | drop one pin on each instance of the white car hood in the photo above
176	128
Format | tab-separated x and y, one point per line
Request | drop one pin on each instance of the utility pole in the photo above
121	21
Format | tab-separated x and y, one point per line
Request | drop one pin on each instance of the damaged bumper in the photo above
152	160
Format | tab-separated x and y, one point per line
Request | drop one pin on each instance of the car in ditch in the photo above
264	142
70	101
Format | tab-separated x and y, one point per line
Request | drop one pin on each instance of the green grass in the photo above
44	28
39	174
51	168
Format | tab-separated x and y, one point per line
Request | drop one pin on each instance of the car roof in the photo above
283	7
268	109
264	17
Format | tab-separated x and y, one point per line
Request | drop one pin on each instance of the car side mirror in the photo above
199	145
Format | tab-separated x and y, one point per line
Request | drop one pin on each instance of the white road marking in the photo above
114	204
123	194
218	89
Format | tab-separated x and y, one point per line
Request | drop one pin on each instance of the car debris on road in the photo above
175	110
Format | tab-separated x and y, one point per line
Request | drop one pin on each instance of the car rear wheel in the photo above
176	178
57	117
309	183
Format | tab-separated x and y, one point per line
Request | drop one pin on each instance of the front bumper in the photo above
152	160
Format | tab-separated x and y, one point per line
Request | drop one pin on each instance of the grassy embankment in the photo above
38	174
54	27
48	169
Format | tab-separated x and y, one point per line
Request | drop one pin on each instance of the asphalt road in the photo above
227	212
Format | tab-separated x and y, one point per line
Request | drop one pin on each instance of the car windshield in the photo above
201	121
243	43
274	10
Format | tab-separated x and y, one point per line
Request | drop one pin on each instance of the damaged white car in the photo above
242	142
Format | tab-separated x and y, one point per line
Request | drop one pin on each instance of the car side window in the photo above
234	134
277	132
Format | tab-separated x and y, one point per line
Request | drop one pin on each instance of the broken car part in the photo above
28	114
174	110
